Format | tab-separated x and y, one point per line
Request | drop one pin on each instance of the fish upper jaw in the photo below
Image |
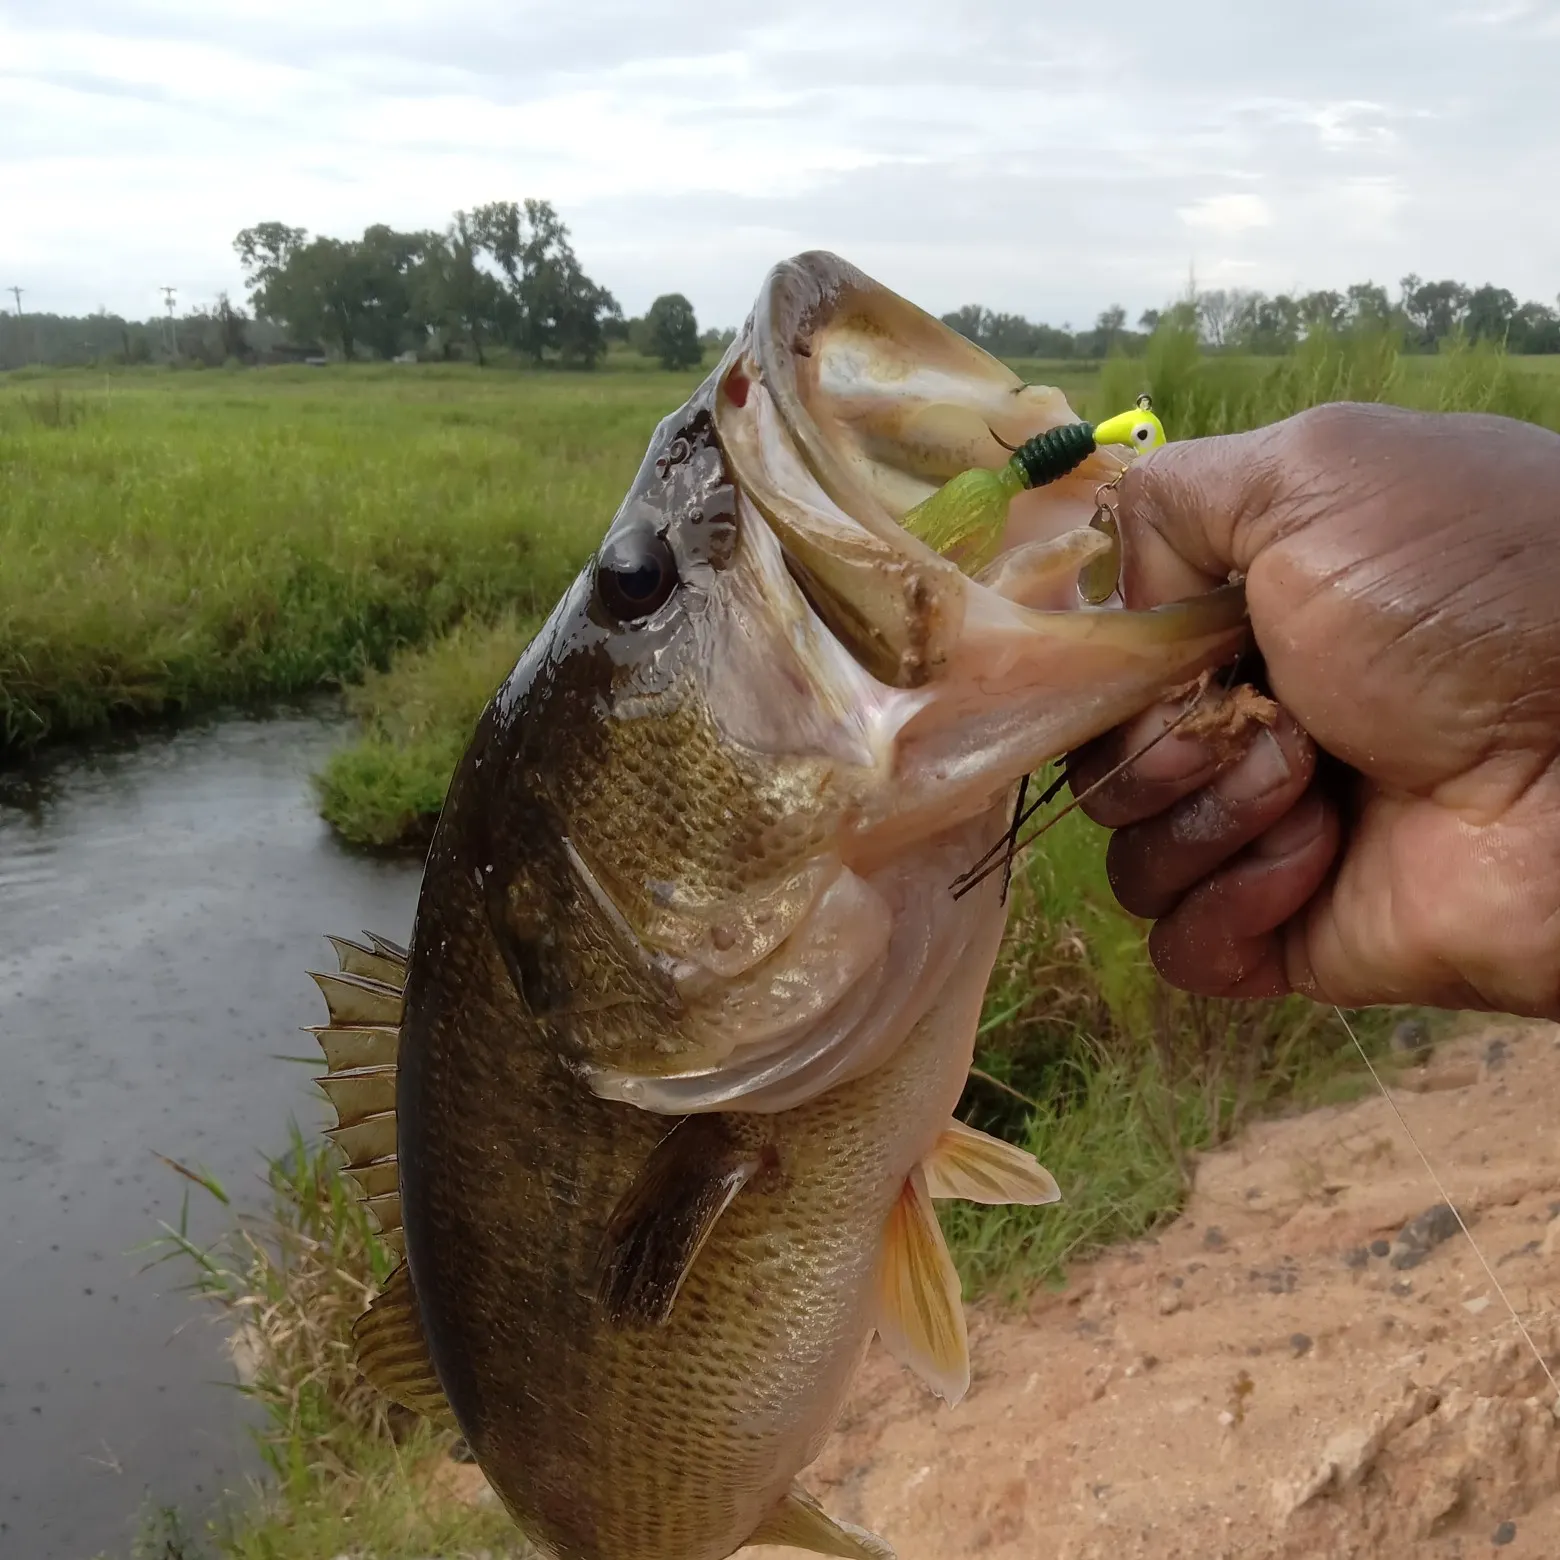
839	408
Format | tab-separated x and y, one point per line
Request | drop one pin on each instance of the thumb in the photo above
1183	513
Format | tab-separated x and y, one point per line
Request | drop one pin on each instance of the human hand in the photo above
1403	578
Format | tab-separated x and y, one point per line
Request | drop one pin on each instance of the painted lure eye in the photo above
635	574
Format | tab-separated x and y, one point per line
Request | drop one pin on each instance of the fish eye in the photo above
635	574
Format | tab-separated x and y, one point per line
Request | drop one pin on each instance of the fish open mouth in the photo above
840	408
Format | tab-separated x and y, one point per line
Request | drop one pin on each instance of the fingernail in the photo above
1174	758
1262	770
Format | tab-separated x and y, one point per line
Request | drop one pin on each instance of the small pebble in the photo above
1504	1534
1213	1238
1356	1257
1300	1343
1380	1248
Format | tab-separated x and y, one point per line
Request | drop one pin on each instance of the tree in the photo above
1489	313
1534	328
1109	326
968	321
457	296
265	252
1321	311
674	332
231	329
550	303
385	268
1366	304
1268	325
1218	314
1434	309
1149	320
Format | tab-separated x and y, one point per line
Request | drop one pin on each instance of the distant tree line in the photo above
502	276
1424	314
207	335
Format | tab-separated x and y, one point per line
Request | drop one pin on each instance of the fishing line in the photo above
1010	845
1408	1132
1001	855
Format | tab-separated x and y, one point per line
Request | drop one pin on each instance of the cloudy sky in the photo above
1045	158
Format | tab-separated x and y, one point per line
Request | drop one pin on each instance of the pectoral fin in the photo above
799	1522
970	1165
663	1220
920	1313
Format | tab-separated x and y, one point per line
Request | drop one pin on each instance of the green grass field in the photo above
171	541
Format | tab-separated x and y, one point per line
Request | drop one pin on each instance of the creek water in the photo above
160	902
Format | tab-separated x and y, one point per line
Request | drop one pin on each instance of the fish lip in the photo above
900	607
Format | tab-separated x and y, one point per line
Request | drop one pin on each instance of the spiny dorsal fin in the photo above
386	1210
367	1140
799	1522
355	1000
376	1179
366	1045
982	1169
391	950
361	1044
359	1095
393	1354
381	961
920	1315
663	1220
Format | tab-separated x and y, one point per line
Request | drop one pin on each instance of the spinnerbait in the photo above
965	517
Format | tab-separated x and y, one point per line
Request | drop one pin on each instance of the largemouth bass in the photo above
659	1101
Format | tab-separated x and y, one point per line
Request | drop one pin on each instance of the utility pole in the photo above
173	347
16	292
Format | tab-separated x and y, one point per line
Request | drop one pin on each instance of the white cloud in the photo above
1029	159
1227	214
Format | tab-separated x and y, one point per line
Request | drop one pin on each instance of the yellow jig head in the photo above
1140	430
964	519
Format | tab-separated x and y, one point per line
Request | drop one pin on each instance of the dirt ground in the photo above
1310	1364
1278	1374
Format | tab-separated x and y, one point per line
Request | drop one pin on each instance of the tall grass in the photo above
349	1471
1116	1082
1198	394
168	542
386	789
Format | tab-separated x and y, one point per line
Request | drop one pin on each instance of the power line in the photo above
16	292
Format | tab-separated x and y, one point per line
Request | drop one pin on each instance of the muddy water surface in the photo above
160	903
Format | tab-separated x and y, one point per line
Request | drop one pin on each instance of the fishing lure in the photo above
967	515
